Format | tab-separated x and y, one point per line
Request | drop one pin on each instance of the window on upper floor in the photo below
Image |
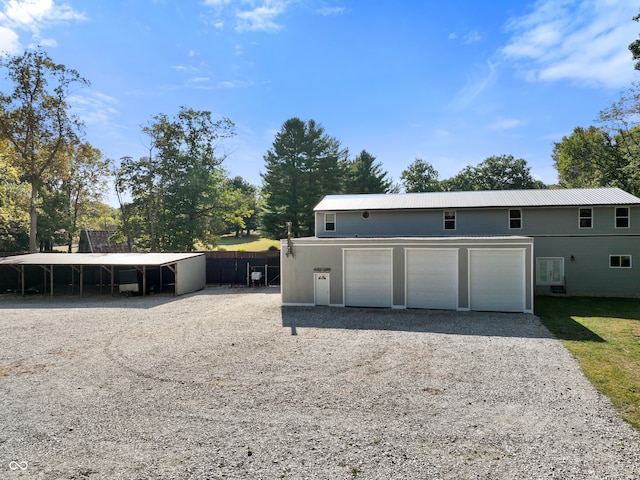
449	219
585	217
515	218
549	271
622	217
619	261
329	222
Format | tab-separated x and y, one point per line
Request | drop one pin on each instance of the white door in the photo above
497	280
432	278
321	288
368	277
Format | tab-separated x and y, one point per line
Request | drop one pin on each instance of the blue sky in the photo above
449	82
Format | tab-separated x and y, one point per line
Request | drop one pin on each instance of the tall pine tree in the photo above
303	165
364	175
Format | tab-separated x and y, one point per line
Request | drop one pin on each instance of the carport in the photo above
187	270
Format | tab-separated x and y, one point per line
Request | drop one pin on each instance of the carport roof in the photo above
561	197
120	259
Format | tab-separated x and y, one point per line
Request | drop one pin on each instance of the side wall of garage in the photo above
494	274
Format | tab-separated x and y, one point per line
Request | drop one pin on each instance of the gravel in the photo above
226	383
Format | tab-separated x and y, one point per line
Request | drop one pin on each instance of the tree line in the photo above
179	197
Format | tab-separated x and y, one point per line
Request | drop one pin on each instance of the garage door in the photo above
432	278
497	280
368	277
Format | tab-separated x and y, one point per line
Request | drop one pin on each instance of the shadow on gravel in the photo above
421	321
94	299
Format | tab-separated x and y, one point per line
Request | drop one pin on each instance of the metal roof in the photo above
120	259
479	199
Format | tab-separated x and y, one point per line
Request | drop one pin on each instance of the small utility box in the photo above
129	282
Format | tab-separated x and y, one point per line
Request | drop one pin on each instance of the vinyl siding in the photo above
311	254
491	221
589	272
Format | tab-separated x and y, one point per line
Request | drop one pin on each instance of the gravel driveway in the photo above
225	383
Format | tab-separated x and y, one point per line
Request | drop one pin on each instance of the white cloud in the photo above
585	41
483	78
32	16
261	18
506	124
327	11
471	37
253	15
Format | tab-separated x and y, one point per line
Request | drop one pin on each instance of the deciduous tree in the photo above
179	189
14	209
36	121
420	176
588	158
494	173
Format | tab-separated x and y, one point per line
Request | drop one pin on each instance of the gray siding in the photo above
491	221
589	273
315	254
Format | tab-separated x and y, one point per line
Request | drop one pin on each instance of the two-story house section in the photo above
480	250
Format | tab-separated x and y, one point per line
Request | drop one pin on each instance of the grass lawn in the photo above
248	243
603	334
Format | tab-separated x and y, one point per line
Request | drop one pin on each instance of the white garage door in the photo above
432	278
368	278
497	280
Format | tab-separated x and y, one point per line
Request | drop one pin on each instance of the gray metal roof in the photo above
479	199
120	259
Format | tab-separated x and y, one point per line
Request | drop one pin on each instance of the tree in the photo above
242	217
494	173
14	209
364	175
179	192
420	176
83	187
303	164
620	120
588	158
634	47
35	121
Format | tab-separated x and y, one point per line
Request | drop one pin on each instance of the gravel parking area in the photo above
226	383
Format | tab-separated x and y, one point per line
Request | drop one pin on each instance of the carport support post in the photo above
266	274
81	278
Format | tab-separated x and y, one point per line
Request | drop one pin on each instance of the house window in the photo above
515	218
585	218
619	261
549	271
450	220
329	222
622	217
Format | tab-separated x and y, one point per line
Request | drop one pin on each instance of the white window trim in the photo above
620	255
547	282
580	218
509	219
444	220
334	221
627	216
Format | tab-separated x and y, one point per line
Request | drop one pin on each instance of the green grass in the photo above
247	243
603	334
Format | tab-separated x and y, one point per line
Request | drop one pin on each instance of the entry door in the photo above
321	288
